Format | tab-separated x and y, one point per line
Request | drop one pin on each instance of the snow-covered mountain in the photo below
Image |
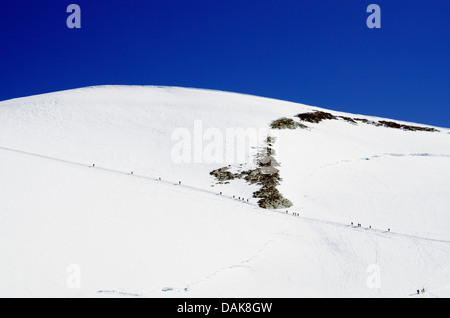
148	220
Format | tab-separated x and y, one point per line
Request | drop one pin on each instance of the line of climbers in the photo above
234	197
360	225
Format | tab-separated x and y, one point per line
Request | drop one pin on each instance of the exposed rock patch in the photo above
319	116
286	123
266	175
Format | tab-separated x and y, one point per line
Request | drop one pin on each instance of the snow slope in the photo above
133	235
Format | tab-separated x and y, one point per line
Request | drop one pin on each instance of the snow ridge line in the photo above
304	219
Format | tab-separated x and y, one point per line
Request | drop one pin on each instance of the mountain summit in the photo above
135	191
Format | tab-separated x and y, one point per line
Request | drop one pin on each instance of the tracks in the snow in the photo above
304	219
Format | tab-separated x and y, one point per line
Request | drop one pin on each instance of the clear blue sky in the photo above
317	52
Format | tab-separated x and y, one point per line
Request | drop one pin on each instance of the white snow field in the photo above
68	229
